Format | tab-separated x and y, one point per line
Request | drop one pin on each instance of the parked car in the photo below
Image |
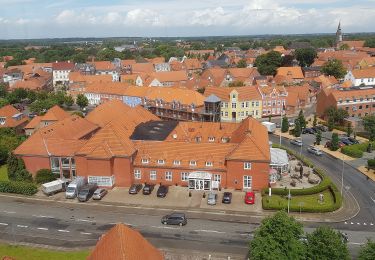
87	191
162	191
329	143
74	187
322	128
174	219
227	198
249	197
308	131
32	115
353	140
278	125
147	189
314	150
211	199
346	141
99	194
135	188
291	123
297	142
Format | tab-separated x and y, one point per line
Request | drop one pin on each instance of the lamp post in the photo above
342	175
289	197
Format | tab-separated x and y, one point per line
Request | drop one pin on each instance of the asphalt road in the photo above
79	225
355	183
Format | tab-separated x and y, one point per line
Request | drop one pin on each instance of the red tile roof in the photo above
63	65
8	113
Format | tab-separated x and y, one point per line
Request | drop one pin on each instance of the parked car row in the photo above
227	198
148	188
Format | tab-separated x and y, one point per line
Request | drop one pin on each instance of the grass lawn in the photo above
29	253
3	173
305	201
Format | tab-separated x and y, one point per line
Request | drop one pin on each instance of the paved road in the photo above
355	183
80	225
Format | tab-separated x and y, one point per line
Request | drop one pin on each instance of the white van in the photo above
74	187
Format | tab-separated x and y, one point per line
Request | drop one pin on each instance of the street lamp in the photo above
342	175
289	197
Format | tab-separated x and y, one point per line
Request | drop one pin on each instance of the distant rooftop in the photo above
153	130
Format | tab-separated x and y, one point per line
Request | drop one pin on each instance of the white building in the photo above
362	77
60	72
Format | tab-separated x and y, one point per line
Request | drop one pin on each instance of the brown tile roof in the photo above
123	243
76	76
128	62
184	96
353	44
156	60
113	88
55	113
244	93
294	72
297	93
63	65
8	112
170	76
103	65
326	81
364	73
33	123
268	89
143	67
192	64
358	93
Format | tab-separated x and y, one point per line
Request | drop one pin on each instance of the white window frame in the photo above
144	161
161	161
193	163
176	162
184	176
153	175
137	174
211	139
209	164
168	176
247	165
217	177
247	182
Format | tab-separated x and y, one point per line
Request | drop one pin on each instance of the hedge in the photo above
44	175
371	163
352	151
19	187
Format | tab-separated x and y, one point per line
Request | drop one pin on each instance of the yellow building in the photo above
237	103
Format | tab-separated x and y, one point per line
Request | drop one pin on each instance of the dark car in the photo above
147	189
345	141
86	192
162	191
135	188
174	219
309	131
353	140
329	143
322	128
227	198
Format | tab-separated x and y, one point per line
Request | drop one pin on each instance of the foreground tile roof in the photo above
8	113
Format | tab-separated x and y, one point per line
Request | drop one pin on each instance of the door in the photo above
234	116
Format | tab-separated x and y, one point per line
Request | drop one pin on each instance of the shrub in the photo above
371	163
44	175
19	187
352	151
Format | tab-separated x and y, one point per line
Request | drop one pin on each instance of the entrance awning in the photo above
200	175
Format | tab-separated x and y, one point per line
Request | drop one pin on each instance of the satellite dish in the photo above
174	136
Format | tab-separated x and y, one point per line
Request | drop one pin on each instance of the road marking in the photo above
355	243
42	216
209	231
351	223
358	223
42	228
22	226
85	233
3	224
345	223
371	224
9	212
165	227
62	230
364	224
373	200
85	220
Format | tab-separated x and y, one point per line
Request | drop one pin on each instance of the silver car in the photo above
211	199
297	142
99	194
314	150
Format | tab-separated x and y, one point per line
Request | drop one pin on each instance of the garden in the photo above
323	197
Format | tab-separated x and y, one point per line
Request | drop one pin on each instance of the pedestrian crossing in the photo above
358	223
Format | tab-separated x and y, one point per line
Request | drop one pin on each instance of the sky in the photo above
25	19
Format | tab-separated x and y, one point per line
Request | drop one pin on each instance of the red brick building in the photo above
116	145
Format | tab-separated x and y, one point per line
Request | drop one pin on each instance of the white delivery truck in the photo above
270	126
74	187
53	187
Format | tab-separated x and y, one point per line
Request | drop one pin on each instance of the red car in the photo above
249	197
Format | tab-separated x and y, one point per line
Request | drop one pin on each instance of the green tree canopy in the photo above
334	142
318	137
306	56
369	125
301	119
367	251
267	64
82	101
242	63
326	244
334	68
370	43
278	237
297	128
284	125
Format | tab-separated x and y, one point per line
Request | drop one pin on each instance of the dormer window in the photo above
193	163
161	161
211	139
209	164
225	139
198	139
176	162
2	120
144	161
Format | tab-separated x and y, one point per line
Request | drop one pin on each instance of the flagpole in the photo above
281	123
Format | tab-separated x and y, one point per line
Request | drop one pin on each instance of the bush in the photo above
19	187
371	163
44	175
352	151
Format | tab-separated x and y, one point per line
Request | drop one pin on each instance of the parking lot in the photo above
177	197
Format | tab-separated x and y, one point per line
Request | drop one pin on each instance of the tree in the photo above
242	63
3	91
4	152
326	244
44	175
334	68
301	119
287	61
344	47
284	125
331	124
349	129
267	64
269	118
278	237
16	169
369	125
297	128
334	142
318	138
82	101
370	43
3	102
69	101
305	56
315	121
367	251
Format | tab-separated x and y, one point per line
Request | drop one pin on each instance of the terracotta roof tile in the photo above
244	93
103	65
294	72
63	65
33	123
55	113
76	76
364	73
8	115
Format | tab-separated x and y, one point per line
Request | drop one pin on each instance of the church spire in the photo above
338	34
